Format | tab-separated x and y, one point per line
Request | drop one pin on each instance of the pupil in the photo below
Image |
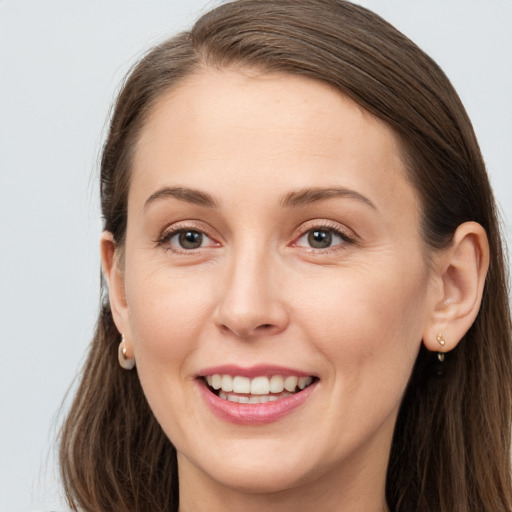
190	239
319	239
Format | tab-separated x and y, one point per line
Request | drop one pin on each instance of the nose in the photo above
252	302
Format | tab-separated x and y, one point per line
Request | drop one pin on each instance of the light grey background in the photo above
60	65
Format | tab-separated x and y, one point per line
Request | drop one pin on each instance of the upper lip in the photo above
259	370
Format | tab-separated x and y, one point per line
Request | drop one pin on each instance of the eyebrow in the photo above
311	195
295	199
188	195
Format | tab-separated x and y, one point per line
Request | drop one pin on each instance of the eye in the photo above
322	238
186	239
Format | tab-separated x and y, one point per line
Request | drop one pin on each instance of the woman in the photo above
305	280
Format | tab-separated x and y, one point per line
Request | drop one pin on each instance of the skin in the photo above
353	314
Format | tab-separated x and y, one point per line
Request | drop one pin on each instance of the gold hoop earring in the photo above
126	363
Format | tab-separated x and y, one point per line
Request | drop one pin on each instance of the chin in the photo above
255	471
260	479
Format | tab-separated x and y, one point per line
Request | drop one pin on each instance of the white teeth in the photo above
216	381
241	384
227	383
304	382
276	384
252	399
260	386
290	383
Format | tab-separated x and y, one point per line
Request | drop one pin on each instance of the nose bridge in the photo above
251	302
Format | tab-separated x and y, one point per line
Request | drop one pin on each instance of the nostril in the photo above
224	328
244	333
265	328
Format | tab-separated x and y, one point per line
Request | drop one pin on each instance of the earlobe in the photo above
111	266
461	269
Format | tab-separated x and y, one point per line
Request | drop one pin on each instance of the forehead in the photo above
247	130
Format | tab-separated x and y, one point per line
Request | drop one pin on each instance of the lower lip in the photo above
254	414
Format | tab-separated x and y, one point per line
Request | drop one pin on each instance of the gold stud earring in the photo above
126	362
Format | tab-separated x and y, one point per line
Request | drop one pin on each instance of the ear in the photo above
460	272
111	263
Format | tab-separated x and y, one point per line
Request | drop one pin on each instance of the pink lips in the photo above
253	414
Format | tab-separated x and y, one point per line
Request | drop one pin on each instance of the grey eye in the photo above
188	239
319	238
323	237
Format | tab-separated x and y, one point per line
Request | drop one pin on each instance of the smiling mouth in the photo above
258	390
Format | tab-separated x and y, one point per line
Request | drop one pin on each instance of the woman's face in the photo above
271	236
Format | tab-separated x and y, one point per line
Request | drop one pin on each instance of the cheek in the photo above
166	320
166	313
369	326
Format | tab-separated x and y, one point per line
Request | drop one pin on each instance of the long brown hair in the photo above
451	447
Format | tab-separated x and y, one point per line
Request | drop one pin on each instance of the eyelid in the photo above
348	236
188	225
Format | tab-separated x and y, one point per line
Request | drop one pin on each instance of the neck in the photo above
329	492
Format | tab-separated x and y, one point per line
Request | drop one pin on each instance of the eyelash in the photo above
324	226
167	236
